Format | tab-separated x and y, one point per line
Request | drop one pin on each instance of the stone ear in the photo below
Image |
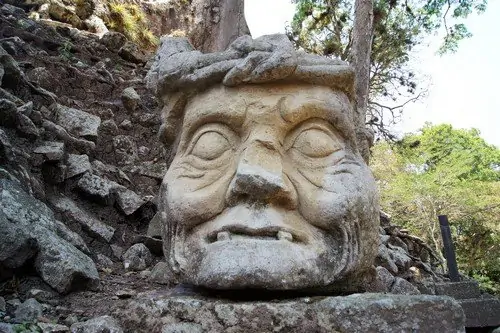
365	137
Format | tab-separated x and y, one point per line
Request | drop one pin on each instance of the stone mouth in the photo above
235	233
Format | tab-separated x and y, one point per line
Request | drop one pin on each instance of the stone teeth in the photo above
284	235
223	236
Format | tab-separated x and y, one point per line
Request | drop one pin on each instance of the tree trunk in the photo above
217	23
360	56
210	25
360	59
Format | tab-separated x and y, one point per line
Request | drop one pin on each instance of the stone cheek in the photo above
267	190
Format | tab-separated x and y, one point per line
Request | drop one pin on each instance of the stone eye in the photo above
316	143
210	145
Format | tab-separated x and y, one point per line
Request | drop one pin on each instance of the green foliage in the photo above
129	19
65	51
27	327
463	153
443	170
325	27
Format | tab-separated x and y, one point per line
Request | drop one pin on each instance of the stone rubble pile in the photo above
405	263
76	189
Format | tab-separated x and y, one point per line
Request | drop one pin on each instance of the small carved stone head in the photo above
265	187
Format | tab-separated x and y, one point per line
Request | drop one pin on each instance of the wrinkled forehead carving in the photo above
283	107
178	72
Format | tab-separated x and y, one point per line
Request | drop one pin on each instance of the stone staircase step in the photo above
481	312
459	290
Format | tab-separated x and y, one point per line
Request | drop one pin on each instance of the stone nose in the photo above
259	177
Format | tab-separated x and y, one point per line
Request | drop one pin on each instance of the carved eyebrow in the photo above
335	112
209	112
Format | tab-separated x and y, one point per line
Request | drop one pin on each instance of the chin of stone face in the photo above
266	188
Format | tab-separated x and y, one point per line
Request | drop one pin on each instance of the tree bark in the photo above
360	59
360	56
210	25
217	23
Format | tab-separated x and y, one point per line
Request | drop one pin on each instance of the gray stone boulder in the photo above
77	164
70	210
108	127
130	99
161	274
103	261
99	324
96	25
401	286
8	113
28	311
48	151
58	261
131	52
76	122
154	245
137	258
128	201
16	245
383	280
155	226
125	149
5	146
26	128
53	328
7	328
97	188
108	192
63	13
113	40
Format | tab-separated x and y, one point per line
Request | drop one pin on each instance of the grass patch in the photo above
129	19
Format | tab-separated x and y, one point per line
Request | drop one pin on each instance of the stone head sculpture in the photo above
265	187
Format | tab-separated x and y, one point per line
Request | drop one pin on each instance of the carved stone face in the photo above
267	190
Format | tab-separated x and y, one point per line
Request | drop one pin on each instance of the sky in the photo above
462	87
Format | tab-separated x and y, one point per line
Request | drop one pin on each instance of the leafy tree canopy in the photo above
325	27
460	153
454	172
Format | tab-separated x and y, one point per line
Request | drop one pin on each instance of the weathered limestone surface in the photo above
266	188
160	312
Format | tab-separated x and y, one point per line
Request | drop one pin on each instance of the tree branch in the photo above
413	99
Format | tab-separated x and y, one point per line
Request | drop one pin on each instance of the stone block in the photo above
481	312
158	311
459	290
